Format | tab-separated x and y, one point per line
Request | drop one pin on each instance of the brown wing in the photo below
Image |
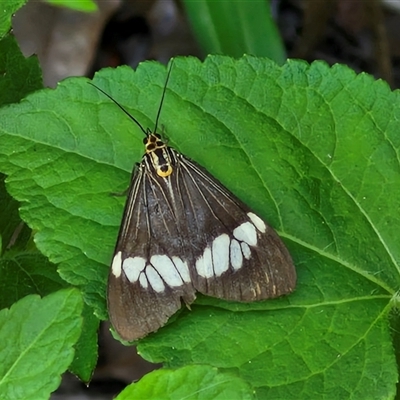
186	233
148	279
237	255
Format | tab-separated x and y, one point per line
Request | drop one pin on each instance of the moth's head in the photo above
153	142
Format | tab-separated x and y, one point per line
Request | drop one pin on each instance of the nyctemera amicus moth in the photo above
183	232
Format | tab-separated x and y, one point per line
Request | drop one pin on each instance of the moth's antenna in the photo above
122	108
163	95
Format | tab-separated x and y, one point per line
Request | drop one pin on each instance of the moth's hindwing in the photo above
183	232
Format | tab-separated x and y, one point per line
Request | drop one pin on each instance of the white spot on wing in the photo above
220	254
204	265
236	255
133	267
143	281
246	232
154	279
245	250
165	267
182	268
258	222
116	265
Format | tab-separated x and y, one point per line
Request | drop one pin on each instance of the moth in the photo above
183	232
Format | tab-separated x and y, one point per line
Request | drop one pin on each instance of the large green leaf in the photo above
313	149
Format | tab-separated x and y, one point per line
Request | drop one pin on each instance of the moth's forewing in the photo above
214	216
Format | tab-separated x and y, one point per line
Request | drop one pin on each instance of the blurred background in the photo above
79	37
73	42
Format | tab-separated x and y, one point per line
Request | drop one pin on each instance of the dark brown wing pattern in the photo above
184	233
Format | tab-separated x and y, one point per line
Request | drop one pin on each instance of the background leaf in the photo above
8	8
20	75
12	229
86	348
235	28
183	383
36	343
312	149
79	5
23	273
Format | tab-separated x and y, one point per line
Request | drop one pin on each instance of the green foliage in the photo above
235	28
195	382
23	75
36	343
79	5
8	8
312	149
